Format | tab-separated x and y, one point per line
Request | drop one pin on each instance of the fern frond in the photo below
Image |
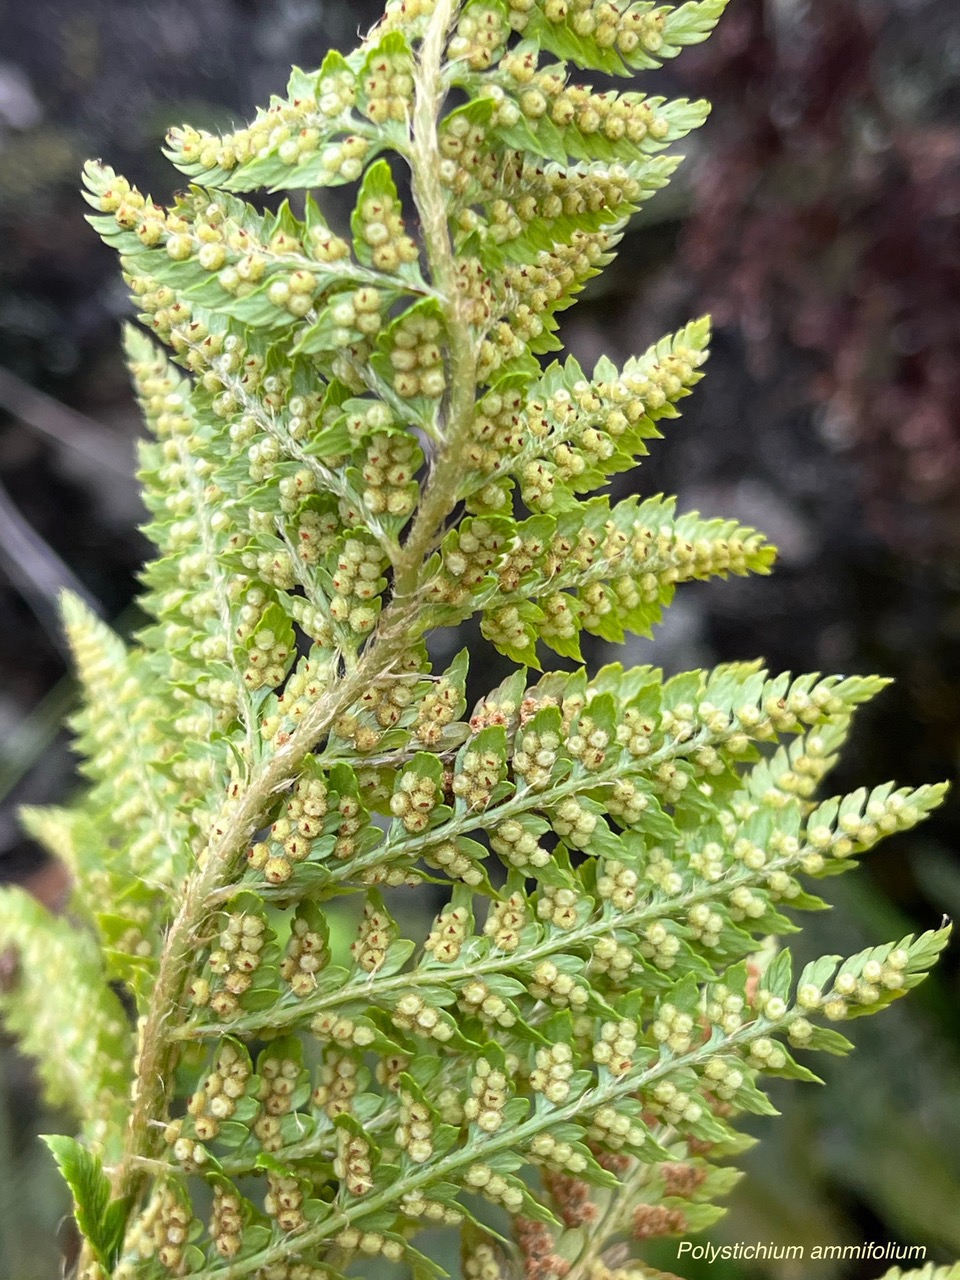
66	1017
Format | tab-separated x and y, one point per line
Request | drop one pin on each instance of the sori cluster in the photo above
355	442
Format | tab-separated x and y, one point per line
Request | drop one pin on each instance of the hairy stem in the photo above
242	813
239	818
441	492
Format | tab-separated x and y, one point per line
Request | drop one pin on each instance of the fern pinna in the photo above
354	442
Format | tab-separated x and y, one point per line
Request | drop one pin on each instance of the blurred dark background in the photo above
817	218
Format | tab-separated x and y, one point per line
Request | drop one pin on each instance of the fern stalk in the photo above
244	812
441	493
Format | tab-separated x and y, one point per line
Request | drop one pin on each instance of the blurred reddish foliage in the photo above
826	218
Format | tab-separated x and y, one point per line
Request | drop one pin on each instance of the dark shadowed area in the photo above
818	218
